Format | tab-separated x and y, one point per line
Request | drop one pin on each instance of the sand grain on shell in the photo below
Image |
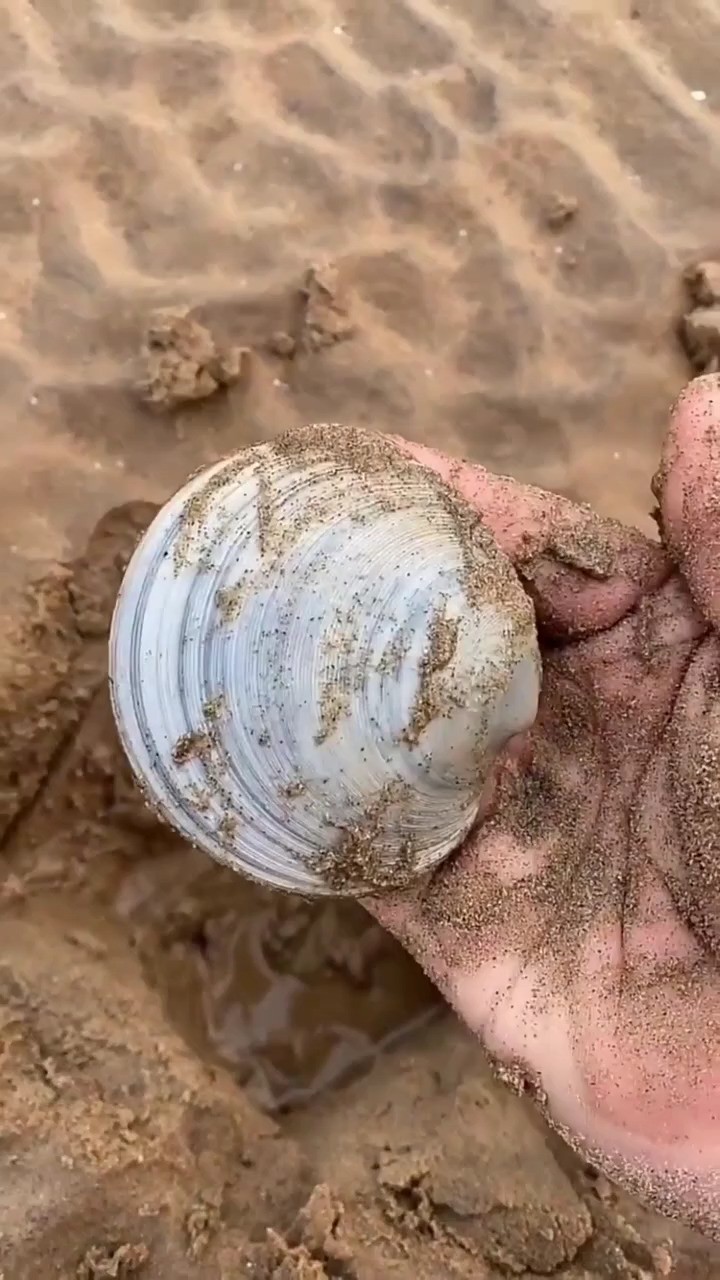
429	703
346	455
395	480
362	476
358	864
196	745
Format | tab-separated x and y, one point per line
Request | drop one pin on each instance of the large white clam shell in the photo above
316	653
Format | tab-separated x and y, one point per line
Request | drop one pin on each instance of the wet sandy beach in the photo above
466	222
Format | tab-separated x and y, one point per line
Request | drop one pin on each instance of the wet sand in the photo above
465	222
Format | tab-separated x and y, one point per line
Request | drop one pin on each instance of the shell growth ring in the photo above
317	652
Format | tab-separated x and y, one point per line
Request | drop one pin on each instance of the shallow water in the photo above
293	996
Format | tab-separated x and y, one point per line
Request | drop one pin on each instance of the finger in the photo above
584	572
688	489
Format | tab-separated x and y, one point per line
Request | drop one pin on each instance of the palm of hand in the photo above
578	930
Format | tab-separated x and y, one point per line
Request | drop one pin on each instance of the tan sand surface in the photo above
461	220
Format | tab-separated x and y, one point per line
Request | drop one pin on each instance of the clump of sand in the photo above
183	363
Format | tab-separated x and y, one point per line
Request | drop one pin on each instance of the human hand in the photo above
577	931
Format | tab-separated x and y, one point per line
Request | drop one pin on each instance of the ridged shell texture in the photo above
316	654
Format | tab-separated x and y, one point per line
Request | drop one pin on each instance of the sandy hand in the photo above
578	931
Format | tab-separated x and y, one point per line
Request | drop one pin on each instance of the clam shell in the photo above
316	653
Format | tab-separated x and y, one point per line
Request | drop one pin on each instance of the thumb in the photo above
687	487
